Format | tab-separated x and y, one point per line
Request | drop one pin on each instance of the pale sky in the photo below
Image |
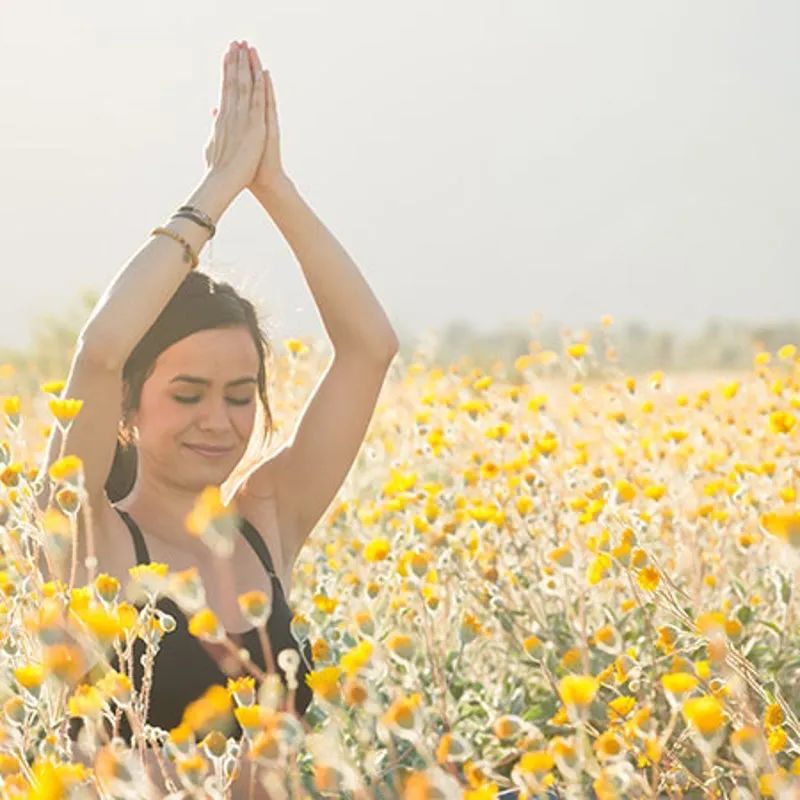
481	161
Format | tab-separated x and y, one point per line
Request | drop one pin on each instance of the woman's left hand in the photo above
270	170
269	173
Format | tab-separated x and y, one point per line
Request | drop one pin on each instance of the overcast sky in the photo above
481	161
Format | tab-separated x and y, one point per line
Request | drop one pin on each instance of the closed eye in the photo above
197	399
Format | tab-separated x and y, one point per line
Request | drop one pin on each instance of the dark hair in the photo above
199	303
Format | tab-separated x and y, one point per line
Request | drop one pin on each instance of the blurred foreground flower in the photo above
783	524
213	521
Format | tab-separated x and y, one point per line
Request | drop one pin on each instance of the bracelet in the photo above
189	215
200	217
188	254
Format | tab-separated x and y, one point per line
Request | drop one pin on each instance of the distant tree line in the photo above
719	345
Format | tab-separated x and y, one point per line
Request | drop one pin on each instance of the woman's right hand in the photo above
237	140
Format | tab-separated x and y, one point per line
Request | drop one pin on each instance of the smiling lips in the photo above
209	451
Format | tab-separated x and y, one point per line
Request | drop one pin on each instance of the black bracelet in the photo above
190	212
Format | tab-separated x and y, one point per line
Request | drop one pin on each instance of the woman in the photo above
183	357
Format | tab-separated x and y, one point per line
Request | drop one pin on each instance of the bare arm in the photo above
144	285
142	288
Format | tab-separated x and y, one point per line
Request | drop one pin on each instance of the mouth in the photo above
210	452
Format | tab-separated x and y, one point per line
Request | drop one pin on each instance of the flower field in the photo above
548	575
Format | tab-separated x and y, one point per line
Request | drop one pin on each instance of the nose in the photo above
214	416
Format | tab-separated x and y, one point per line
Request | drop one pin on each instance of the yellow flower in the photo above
705	713
355	658
325	682
325	604
598	568
773	715
296	347
577	350
255	607
11	405
355	692
621	706
67	500
53	387
781	421
547	444
787	352
52	779
679	682
648	578
507	727
533	645
150	578
402	645
469	628
64	661
30	676
65	409
107	587
106	625
626	491
205	625
536	761
783	524
578	690
87	701
214	743
776	740
242	689
607	745
193	768
213	707
116	685
207	508
402	712
65	468
377	550
251	717
655	491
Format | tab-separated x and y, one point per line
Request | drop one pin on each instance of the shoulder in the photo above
260	497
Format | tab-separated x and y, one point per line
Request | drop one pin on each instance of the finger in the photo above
259	92
256	63
245	81
272	110
224	103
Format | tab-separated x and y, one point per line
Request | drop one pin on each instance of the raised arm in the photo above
144	286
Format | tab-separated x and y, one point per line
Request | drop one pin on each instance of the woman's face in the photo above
202	393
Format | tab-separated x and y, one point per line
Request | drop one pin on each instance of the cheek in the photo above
163	425
244	421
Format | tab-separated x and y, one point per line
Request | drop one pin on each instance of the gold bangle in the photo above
189	255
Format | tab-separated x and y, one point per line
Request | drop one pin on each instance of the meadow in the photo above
547	574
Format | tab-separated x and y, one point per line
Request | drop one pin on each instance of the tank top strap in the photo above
260	546
139	544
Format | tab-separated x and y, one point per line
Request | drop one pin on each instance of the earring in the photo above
128	434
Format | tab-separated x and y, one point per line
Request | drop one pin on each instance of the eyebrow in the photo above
205	382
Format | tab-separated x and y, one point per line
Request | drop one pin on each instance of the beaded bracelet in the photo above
188	253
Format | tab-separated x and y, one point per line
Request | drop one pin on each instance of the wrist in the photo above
274	191
218	190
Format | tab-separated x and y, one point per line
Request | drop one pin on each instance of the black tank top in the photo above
183	669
